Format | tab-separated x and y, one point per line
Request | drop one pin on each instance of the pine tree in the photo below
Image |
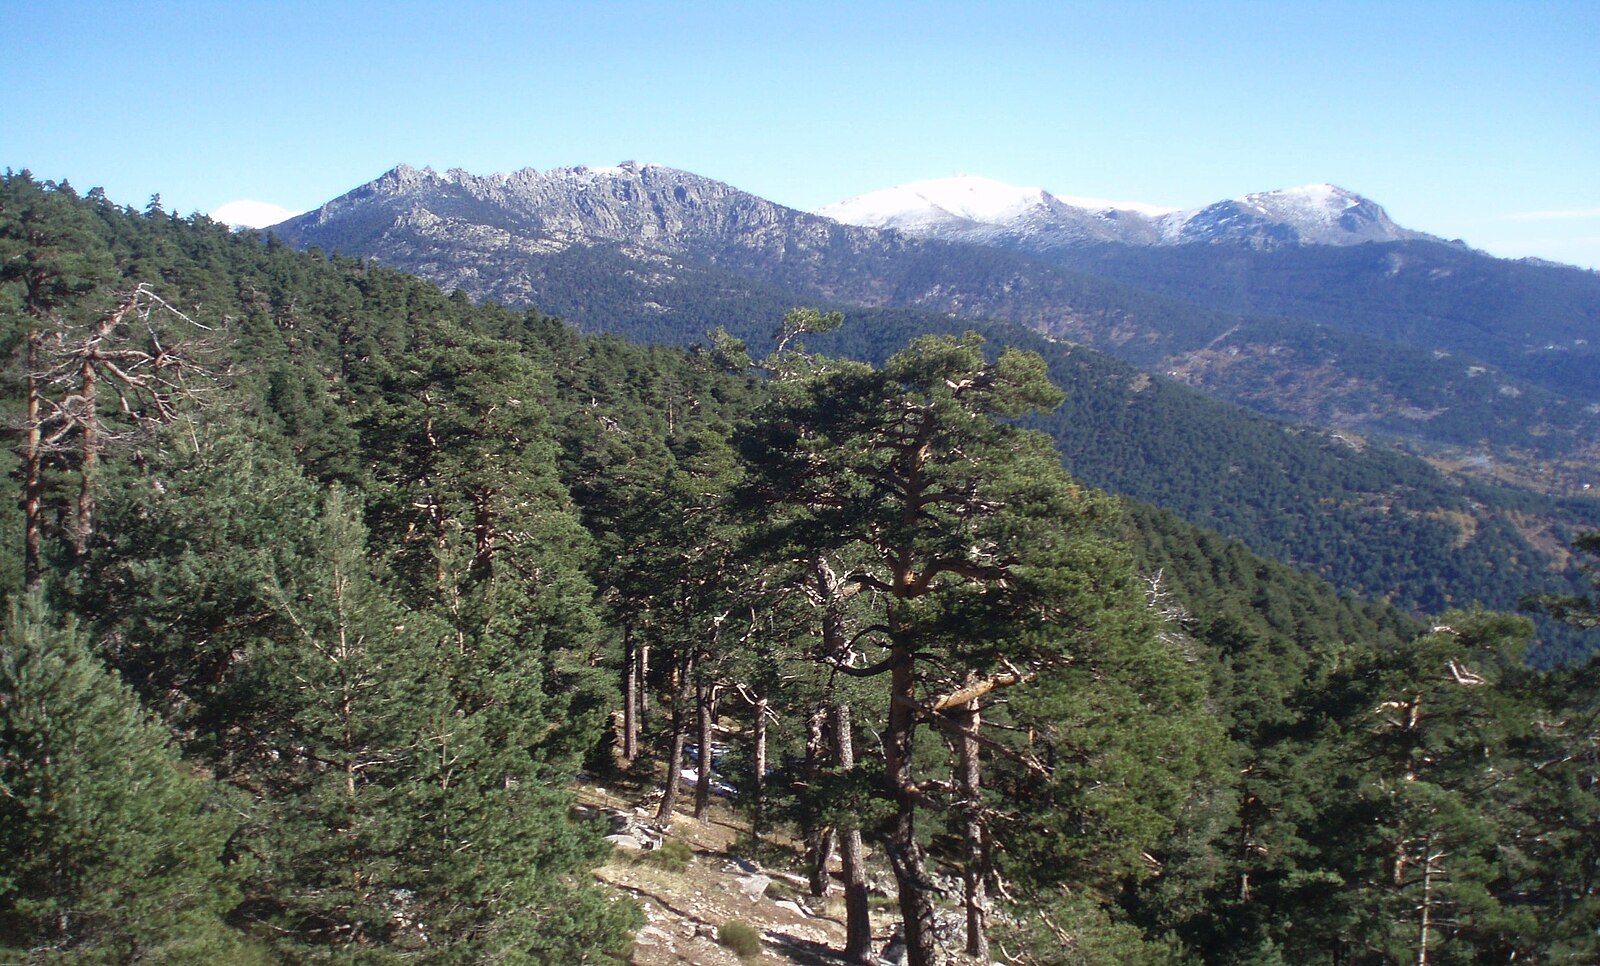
483	535
1422	832
112	848
391	825
1553	849
393	809
992	571
51	254
1556	847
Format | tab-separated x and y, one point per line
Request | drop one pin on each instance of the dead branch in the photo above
977	689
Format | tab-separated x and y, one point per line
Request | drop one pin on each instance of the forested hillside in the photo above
1365	517
1533	319
322	586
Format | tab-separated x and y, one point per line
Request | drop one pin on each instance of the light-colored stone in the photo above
793	907
754	886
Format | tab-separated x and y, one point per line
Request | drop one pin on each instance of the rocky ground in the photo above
728	877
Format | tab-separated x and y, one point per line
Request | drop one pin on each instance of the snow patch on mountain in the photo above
1321	203
1102	205
1315	214
963	198
970	208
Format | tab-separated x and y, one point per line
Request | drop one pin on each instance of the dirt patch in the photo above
686	903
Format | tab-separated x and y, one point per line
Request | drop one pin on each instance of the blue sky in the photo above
1478	120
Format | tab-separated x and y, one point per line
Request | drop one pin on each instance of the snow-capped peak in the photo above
1314	214
1316	203
963	198
968	208
971	208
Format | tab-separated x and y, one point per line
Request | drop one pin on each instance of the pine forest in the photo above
323	589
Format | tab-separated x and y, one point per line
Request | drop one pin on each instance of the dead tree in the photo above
632	684
764	716
123	354
830	594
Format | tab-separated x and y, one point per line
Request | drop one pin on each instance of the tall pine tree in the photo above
112	848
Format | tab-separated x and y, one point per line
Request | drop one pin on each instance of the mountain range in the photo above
973	209
1306	305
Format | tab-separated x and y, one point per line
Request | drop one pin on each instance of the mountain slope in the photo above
529	213
1538	321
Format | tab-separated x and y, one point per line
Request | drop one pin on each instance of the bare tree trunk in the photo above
436	516
669	799
1430	869
975	862
858	915
680	728
758	780
706	713
89	426
916	891
348	686
630	696
1247	830
819	852
644	686
1427	911
819	835
32	471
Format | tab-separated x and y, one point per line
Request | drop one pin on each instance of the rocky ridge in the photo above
479	233
648	205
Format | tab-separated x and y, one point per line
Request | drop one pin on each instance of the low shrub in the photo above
741	937
673	856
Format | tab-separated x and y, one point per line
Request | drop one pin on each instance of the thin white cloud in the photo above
1559	214
251	214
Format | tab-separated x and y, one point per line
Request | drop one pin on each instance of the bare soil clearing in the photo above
728	878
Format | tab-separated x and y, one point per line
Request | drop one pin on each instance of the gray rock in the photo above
793	907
